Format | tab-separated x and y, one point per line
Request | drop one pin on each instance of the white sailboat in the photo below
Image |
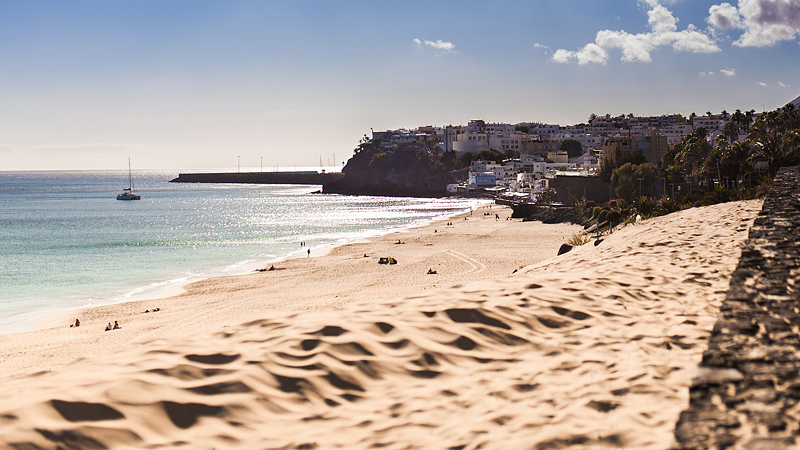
127	193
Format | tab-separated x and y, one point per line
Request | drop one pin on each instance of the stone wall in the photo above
747	390
589	188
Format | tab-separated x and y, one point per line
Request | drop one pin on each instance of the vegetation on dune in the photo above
770	141
738	165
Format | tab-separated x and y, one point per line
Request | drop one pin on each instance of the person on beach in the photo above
77	323
309	253
116	325
108	327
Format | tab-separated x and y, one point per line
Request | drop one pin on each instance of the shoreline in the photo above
597	347
171	288
320	295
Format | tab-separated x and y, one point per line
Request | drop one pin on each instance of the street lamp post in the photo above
238	163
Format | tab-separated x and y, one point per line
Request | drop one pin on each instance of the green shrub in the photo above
578	239
613	217
377	157
669	206
645	205
719	195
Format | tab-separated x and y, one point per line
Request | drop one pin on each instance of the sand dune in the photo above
594	348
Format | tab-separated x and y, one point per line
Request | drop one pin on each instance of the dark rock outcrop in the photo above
407	171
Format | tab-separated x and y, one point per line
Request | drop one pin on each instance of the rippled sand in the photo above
594	348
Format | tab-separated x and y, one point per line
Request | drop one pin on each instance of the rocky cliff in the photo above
408	170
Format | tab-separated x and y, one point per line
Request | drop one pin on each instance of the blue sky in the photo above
207	84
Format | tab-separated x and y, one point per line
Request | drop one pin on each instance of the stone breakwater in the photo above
306	177
746	393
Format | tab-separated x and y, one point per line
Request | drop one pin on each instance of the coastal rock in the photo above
408	170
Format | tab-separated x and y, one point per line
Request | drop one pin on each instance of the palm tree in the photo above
775	136
767	141
729	160
695	149
730	131
749	119
737	156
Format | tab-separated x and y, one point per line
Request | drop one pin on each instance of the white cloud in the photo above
724	16
761	83
707	74
765	22
635	47
538	45
438	44
638	47
661	20
563	56
591	53
783	85
728	72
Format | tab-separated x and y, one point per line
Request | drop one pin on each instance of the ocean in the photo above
66	242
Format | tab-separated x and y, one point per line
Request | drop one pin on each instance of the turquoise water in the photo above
66	242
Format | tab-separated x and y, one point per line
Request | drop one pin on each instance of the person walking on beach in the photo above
309	253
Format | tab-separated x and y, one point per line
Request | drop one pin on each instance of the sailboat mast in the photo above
130	175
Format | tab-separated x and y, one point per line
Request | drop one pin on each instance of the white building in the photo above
482	166
676	132
588	141
505	141
500	128
481	179
541	129
710	122
472	142
532	164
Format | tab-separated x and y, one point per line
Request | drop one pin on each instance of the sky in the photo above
182	85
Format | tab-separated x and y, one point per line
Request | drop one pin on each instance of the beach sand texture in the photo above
594	348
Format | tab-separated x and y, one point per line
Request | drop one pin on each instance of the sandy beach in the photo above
506	346
476	246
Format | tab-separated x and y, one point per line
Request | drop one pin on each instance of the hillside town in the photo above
528	160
